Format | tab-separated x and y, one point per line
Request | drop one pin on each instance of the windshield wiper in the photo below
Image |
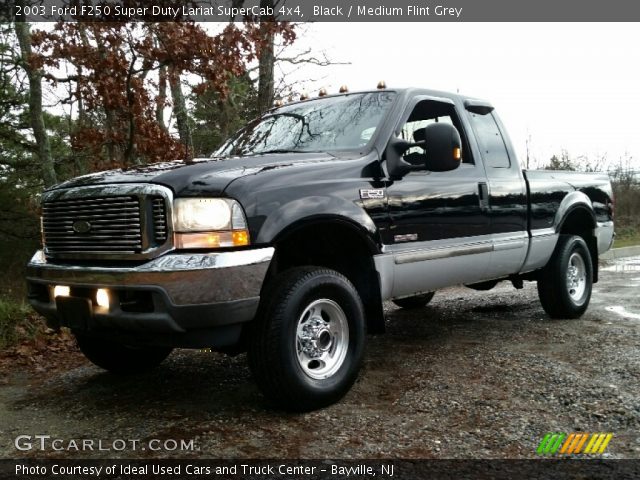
282	150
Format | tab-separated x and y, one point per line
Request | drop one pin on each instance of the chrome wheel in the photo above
564	285
306	347
576	277
322	339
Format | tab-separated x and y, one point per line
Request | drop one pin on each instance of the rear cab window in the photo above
490	141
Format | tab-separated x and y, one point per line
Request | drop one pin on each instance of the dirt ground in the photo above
473	375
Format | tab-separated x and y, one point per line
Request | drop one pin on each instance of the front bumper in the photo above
179	299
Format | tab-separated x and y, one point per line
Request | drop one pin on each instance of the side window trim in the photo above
412	105
466	145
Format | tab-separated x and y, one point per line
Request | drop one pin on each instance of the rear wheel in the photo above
564	286
417	301
118	358
307	345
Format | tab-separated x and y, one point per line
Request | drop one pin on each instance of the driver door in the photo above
439	231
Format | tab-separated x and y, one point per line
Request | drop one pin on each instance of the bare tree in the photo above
34	75
266	62
161	98
181	114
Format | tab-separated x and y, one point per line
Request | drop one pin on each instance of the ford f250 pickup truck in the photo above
287	241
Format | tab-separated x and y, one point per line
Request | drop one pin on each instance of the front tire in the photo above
307	345
564	286
118	358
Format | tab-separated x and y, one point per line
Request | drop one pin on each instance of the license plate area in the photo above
74	312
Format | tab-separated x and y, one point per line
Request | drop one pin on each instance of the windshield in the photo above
328	124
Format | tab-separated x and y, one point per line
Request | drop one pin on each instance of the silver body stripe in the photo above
416	267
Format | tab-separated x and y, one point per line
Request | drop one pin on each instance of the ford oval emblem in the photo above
81	226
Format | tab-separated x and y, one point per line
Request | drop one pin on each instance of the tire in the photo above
417	301
564	286
121	359
307	344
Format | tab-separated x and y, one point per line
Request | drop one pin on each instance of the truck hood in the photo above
208	176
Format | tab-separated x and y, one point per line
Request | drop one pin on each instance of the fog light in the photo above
102	297
61	291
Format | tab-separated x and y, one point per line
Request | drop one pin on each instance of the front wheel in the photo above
307	345
119	358
564	286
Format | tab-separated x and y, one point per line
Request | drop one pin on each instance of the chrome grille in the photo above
112	222
93	225
159	219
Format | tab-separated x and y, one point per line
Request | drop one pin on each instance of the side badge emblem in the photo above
371	193
409	237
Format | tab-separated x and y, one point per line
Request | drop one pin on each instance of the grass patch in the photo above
17	323
626	241
627	235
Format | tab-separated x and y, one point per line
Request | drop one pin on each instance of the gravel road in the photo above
472	375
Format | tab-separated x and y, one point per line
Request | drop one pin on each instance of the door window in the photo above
425	113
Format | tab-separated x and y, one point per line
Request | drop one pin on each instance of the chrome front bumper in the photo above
177	292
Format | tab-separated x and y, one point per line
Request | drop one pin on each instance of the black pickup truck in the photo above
287	241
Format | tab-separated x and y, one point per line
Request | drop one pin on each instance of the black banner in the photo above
196	469
323	10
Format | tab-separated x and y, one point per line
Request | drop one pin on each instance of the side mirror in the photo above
444	147
443	151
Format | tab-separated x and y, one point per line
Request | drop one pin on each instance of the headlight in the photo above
209	223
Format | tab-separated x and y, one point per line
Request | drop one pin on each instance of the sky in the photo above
563	86
572	86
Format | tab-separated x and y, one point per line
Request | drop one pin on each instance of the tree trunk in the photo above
266	62
114	152
162	96
80	160
23	33
180	111
130	154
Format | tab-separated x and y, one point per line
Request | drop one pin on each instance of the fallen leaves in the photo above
48	351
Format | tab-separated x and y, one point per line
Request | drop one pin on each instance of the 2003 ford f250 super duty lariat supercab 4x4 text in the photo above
286	242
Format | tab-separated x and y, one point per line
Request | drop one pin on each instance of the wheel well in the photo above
580	221
341	247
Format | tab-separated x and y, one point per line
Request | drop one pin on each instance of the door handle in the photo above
483	196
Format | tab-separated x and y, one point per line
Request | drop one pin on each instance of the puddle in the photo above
629	264
622	312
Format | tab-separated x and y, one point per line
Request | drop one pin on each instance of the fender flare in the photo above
573	201
303	211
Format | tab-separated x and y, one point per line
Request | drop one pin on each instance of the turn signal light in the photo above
457	153
240	238
234	238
